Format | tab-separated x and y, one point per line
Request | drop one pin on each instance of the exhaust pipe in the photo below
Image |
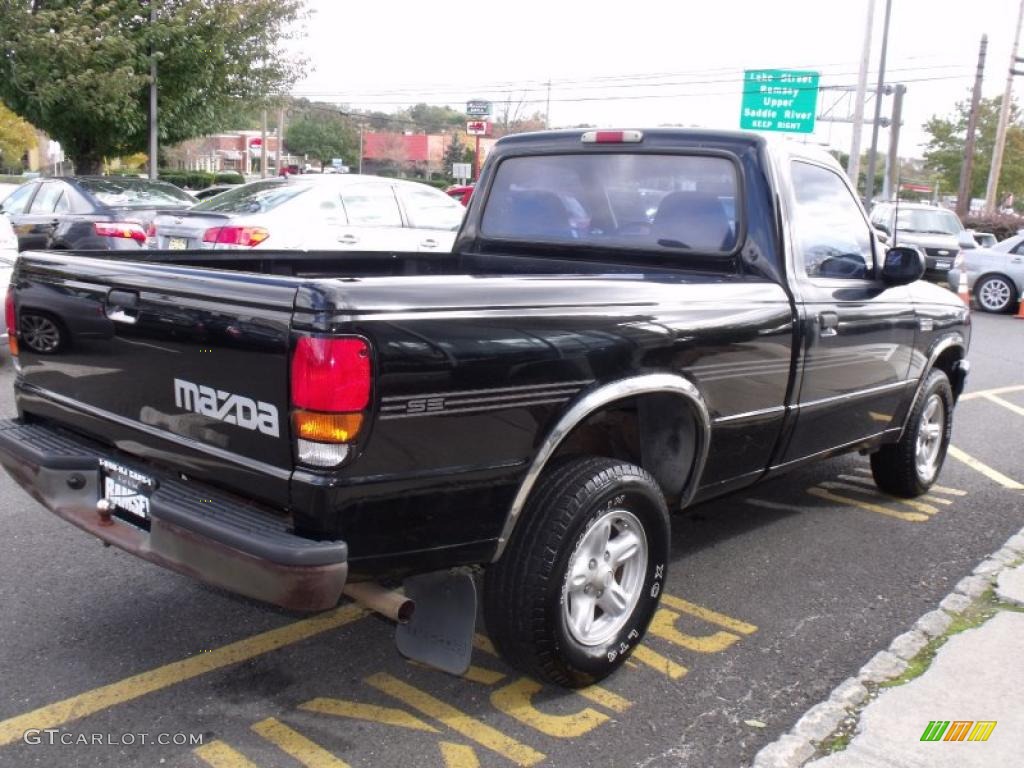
387	602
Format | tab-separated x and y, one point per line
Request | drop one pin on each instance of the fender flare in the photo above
593	401
948	342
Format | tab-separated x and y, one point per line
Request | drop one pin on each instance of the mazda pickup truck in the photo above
630	323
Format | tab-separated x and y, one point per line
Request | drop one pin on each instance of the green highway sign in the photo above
779	100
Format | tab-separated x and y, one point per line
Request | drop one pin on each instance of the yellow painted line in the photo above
369	712
910	517
605	698
947	491
663	626
1013	407
655	660
458	755
219	755
713	617
862	470
936	499
458	721
306	752
881	418
516	701
996	391
483	643
985	469
929	497
481	675
920	506
98	699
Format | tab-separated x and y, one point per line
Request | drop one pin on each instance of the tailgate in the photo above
183	366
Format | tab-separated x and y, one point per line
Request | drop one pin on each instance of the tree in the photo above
16	138
79	69
945	150
456	152
323	135
434	119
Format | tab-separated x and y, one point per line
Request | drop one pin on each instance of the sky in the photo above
650	62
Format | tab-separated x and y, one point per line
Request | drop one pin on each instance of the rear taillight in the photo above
11	318
124	230
331	379
245	237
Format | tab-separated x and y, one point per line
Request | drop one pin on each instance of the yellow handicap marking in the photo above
712	617
1012	407
988	392
910	517
656	661
301	749
369	712
992	474
934	489
516	701
920	506
458	721
219	755
98	699
458	755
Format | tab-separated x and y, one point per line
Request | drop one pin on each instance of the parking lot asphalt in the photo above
774	596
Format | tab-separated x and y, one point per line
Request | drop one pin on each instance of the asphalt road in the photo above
774	596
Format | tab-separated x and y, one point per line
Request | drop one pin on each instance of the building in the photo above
230	151
414	154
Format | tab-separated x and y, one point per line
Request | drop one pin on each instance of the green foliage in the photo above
16	138
945	150
79	69
431	119
188	179
323	134
229	177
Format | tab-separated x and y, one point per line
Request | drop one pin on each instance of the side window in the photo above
63	203
371	205
831	234
1018	248
431	208
17	201
46	199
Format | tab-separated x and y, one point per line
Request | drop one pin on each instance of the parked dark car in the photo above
103	213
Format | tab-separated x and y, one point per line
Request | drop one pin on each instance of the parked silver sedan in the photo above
341	212
995	276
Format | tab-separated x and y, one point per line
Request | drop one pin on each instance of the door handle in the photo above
348	239
429	243
1017	260
828	322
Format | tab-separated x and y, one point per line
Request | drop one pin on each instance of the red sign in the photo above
478	127
255	142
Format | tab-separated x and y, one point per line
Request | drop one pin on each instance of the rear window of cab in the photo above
663	203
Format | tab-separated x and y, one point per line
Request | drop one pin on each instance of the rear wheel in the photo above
579	582
996	294
909	467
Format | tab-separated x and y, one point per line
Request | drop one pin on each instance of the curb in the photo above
800	744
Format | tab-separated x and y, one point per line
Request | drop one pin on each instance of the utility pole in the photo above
869	183
853	163
361	148
152	127
892	160
280	139
963	197
547	108
1004	118
263	146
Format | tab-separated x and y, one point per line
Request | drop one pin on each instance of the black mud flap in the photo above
440	632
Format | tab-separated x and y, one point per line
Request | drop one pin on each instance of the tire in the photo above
896	468
42	333
536	614
995	293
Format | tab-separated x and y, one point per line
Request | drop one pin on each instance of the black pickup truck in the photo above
629	323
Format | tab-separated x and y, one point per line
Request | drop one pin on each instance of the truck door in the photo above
858	332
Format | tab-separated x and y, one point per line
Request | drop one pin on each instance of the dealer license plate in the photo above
177	244
942	264
127	491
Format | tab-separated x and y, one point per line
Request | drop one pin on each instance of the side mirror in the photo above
881	234
902	266
966	240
